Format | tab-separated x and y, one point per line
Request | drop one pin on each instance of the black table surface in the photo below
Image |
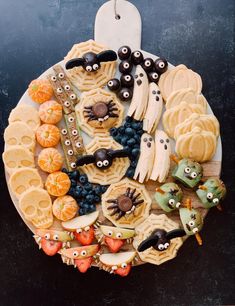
199	33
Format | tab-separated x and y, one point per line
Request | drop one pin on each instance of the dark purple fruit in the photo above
137	57
127	80
124	52
161	65
153	77
125	94
113	84
148	64
125	66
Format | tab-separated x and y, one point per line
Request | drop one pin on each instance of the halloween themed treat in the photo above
179	77
198	145
147	64
82	79
27	114
73	131
69	154
51	241
127	80
161	65
16	157
125	66
125	94
169	196
154	109
137	57
117	263
124	52
145	163
114	237
153	77
188	172
35	204
80	257
50	112
57	183
48	135
161	164
157	239
50	160
20	134
24	178
40	91
64	208
113	84
126	203
211	192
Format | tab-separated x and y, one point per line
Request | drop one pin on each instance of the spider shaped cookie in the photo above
101	111
125	203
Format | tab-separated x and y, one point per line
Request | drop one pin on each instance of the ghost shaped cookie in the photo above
161	164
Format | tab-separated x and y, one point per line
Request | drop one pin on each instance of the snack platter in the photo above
130	163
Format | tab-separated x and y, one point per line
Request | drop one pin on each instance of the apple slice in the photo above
54	235
117	232
116	259
80	252
80	222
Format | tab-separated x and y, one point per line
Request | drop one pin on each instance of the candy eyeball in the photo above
119	235
99	164
83	253
166	245
153	77
193	175
127	80
148	64
78	230
47	236
110	233
124	52
53	78
88	68
137	57
216	201
125	94
61	75
124	265
191	219
161	247
75	253
73	165
56	237
191	223
113	84
161	65
105	163
210	196
187	170
125	66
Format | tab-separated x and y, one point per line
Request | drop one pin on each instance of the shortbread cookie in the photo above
50	112
112	174
40	91
126	203
48	135
19	133
89	80
188	95
98	111
178	78
154	109
23	179
197	145
139	100
173	116
36	206
69	154
27	114
161	164
50	160
146	159
145	229
206	122
16	157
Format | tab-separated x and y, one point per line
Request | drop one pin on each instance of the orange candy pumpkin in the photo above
57	183
48	135
65	208
50	112
40	91
50	160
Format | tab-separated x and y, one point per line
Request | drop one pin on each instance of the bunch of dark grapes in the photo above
124	86
85	193
129	135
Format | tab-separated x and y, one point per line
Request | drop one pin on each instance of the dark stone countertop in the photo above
199	33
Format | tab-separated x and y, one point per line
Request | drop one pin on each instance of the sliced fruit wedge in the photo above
123	271
117	259
85	237
117	232
80	252
114	245
50	247
81	221
53	235
83	264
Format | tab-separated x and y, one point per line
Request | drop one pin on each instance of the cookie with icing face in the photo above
180	77
154	109
139	100
146	159
161	164
173	116
169	196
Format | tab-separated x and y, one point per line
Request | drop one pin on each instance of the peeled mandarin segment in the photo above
50	112
65	208
40	91
57	183
48	135
50	160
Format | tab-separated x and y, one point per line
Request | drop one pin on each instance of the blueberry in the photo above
113	131
71	192
73	183
134	163
92	208
129	119
129	131
88	186
130	172
140	132
104	188
118	138
84	193
127	149
137	138
124	140
75	175
90	198
64	170
83	179
131	142
78	189
98	189
97	199
82	211
135	152
121	130
137	146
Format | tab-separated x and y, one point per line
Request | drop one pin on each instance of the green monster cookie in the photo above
168	196
211	192
188	172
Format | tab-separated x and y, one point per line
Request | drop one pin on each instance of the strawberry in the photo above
85	237
83	264
114	245
50	247
123	271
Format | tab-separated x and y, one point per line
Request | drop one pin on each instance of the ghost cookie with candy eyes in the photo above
146	159
140	95
169	196
161	164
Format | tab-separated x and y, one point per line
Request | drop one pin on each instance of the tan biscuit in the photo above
173	116
27	114
82	79
205	122
130	201
144	230
178	78
197	145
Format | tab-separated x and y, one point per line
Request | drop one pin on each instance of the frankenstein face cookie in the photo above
169	196
211	192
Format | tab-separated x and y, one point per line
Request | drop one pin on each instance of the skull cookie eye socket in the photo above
161	247
99	164
105	163
166	245
187	170
95	66
83	253
47	236
193	174
55	237
88	68
209	195
75	253
215	200
191	223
